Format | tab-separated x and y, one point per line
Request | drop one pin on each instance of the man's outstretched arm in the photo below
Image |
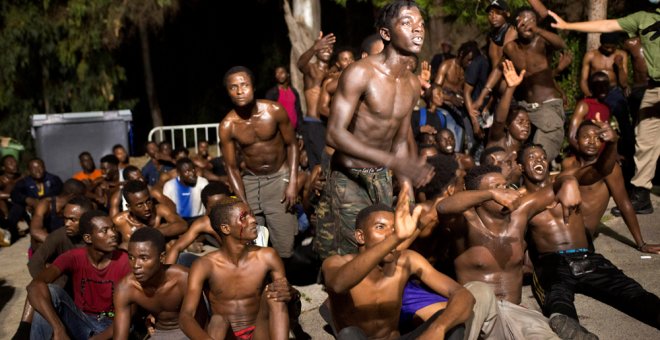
341	276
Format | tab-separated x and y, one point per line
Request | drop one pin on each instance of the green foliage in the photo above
55	59
569	79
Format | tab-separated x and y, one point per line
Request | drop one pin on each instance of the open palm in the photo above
512	77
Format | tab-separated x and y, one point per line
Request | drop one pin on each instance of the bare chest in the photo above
254	131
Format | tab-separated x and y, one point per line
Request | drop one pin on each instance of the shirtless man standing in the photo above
365	289
141	212
344	58
369	127
261	130
596	196
153	286
538	91
492	222
236	274
313	128
613	62
564	260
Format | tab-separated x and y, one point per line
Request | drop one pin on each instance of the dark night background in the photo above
205	38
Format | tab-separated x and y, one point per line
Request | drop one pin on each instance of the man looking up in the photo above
261	130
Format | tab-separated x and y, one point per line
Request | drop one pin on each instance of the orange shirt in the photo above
81	175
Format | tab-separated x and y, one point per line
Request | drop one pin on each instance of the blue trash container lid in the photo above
80	117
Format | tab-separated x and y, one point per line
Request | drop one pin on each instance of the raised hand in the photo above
606	133
425	72
323	42
405	224
512	77
559	22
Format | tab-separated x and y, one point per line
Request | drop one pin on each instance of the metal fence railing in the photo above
187	135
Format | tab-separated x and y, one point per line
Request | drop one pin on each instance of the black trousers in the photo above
554	286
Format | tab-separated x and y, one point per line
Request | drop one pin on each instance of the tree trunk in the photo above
304	24
154	107
44	88
596	10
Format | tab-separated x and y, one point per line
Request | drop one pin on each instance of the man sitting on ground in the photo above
236	273
156	287
142	212
95	271
365	289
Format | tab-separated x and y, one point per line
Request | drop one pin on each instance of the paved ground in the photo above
614	241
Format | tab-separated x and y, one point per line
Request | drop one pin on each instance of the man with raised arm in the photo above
563	256
489	223
647	130
365	289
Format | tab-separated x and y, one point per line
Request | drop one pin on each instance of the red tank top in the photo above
594	107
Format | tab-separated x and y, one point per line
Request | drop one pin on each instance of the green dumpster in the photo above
10	146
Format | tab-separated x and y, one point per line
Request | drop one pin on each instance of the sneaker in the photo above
568	328
641	202
5	238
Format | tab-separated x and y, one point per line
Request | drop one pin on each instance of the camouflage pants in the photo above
347	192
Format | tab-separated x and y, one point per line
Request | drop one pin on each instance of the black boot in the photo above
641	202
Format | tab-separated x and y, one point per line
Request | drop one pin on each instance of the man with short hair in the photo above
28	191
261	130
142	212
89	172
647	131
489	223
236	273
108	183
185	190
369	128
58	242
365	289
132	173
596	196
212	195
613	61
47	215
95	270
152	285
562	252
288	96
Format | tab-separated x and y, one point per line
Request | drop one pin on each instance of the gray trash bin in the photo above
61	137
